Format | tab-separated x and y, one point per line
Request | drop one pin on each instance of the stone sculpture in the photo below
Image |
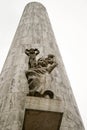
32	56
36	72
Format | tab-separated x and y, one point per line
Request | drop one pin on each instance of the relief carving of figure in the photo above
36	73
32	53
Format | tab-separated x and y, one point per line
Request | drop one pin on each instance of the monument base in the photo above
42	114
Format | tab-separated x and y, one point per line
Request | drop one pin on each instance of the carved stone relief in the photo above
36	71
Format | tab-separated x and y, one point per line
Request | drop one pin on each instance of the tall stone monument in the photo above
35	93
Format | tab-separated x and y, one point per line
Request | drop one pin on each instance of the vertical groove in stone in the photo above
34	31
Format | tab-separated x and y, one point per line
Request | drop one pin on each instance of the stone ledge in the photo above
44	104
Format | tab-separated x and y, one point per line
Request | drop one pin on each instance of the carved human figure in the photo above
47	64
32	53
36	74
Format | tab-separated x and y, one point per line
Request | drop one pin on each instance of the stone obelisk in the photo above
35	93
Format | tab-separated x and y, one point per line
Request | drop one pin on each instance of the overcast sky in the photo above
69	23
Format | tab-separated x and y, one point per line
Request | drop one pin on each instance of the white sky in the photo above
69	22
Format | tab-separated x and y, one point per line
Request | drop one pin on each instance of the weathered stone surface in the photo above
44	104
34	31
42	120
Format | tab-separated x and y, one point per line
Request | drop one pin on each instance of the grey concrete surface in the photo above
34	31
